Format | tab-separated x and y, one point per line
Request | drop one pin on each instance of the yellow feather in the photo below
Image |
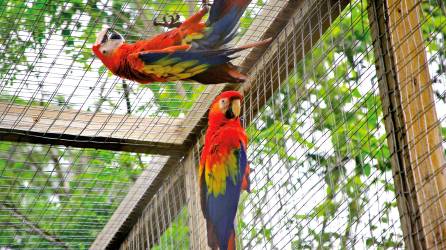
187	39
217	174
166	61
198	69
184	75
186	64
176	70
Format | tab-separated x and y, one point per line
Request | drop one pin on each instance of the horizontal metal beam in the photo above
40	125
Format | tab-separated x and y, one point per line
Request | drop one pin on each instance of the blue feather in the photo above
221	32
223	23
208	57
221	210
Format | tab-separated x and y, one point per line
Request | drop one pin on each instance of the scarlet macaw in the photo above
223	169
193	51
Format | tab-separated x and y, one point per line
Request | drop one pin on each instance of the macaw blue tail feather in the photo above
222	24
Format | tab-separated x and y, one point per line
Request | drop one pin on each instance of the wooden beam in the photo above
164	207
35	124
411	122
313	17
196	222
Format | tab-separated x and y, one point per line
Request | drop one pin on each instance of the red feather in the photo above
223	169
131	61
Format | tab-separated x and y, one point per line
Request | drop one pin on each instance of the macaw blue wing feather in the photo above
223	23
220	210
198	57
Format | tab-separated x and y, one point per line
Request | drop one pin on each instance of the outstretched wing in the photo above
180	64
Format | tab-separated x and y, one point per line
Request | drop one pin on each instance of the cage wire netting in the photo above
322	174
322	168
165	220
53	196
52	87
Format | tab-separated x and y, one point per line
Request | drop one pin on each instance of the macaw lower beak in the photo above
234	109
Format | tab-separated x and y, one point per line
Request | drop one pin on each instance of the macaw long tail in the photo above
226	72
213	242
231	241
220	8
223	23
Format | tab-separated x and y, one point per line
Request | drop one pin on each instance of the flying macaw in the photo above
223	170
192	51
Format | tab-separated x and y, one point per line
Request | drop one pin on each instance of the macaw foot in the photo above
172	23
206	3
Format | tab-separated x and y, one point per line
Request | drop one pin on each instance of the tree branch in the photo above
33	227
125	86
128	22
60	175
143	16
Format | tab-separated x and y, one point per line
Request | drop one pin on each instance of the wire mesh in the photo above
163	224
322	166
322	174
52	65
57	197
52	87
318	144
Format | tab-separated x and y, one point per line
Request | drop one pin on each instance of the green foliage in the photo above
33	28
335	136
76	201
68	193
177	235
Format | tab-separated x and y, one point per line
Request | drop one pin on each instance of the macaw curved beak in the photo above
234	109
101	37
107	33
115	35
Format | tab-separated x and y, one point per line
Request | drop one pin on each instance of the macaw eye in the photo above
104	52
223	104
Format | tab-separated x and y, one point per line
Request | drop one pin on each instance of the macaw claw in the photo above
206	3
172	23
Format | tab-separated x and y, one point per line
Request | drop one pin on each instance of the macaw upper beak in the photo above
101	37
107	33
234	109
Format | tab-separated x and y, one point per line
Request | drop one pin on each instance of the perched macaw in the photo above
193	51
223	169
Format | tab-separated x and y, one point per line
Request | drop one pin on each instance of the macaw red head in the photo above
226	107
105	47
